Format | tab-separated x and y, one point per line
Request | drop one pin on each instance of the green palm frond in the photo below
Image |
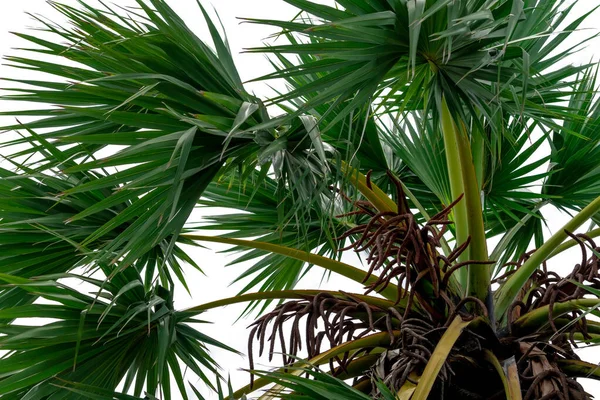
416	52
510	177
258	211
420	147
43	231
573	159
122	333
355	138
319	385
148	84
96	393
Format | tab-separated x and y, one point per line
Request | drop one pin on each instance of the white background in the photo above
215	284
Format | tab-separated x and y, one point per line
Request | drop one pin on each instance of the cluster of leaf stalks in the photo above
342	319
407	254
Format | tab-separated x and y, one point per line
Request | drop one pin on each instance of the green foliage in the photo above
45	232
260	213
123	332
573	158
143	122
483	57
148	85
318	385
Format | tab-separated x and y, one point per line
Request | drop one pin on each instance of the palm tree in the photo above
415	133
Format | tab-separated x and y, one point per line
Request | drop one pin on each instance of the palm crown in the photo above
412	131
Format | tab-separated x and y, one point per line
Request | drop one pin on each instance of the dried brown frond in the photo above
334	319
539	351
546	288
541	377
400	250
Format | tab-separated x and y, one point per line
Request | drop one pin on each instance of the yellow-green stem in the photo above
540	316
479	275
468	212
375	340
287	295
580	369
438	358
493	360
374	194
572	243
479	158
459	213
390	292
408	389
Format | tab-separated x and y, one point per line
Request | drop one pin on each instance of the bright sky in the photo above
241	36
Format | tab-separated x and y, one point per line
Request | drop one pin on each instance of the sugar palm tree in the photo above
411	133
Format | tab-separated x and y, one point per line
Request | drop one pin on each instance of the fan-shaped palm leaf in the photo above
122	333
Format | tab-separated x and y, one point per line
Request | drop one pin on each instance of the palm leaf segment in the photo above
178	116
479	55
176	110
147	84
574	156
259	211
36	240
123	334
130	315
